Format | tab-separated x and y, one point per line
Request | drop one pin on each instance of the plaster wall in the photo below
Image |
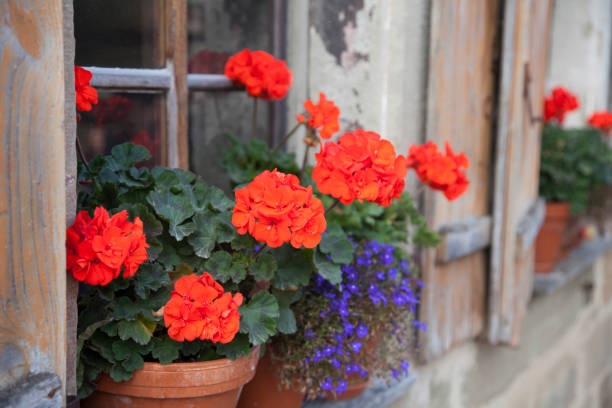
579	55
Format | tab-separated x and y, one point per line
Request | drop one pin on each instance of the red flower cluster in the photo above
260	73
360	166
86	95
199	309
323	116
601	120
275	209
440	171
97	249
560	102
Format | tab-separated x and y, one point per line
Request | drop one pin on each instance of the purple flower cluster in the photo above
378	278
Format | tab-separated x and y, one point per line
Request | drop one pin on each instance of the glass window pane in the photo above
212	117
119	33
220	28
217	29
124	117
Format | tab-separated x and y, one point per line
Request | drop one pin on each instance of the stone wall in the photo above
564	359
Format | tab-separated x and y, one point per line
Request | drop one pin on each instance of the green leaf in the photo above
191	348
88	332
103	344
155	248
165	350
181	231
165	178
237	271
118	373
124	308
218	200
243	242
150	277
327	269
286	320
133	362
151	225
336	244
294	267
174	209
126	155
205	237
258	317
239	347
139	330
218	265
264	267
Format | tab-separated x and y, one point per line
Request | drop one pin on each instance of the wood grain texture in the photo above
72	285
525	40
176	98
32	185
463	238
459	109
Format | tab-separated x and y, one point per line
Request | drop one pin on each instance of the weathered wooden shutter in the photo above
517	213
32	206
486	73
460	101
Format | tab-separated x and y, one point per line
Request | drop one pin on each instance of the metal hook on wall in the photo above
526	95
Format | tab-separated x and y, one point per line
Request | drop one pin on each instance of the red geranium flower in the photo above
601	120
322	116
198	308
275	209
440	171
260	73
360	166
98	249
560	102
86	95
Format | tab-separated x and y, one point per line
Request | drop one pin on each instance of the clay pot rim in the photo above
139	386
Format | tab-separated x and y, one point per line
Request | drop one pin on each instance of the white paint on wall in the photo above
579	56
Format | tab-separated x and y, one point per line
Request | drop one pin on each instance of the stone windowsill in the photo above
579	260
378	394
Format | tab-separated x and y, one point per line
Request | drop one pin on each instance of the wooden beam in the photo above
463	238
529	226
131	78
72	285
209	82
32	188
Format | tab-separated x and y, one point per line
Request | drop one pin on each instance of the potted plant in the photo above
287	373
573	162
177	294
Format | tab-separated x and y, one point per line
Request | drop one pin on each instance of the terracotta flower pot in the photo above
550	237
353	390
264	390
214	384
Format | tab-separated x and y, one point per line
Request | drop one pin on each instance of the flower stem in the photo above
287	136
305	161
331	207
254	124
80	153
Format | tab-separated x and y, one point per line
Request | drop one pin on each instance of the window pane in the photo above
212	117
124	117
218	29
119	33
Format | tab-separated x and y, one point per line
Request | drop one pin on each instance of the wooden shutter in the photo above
517	214
32	207
460	98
